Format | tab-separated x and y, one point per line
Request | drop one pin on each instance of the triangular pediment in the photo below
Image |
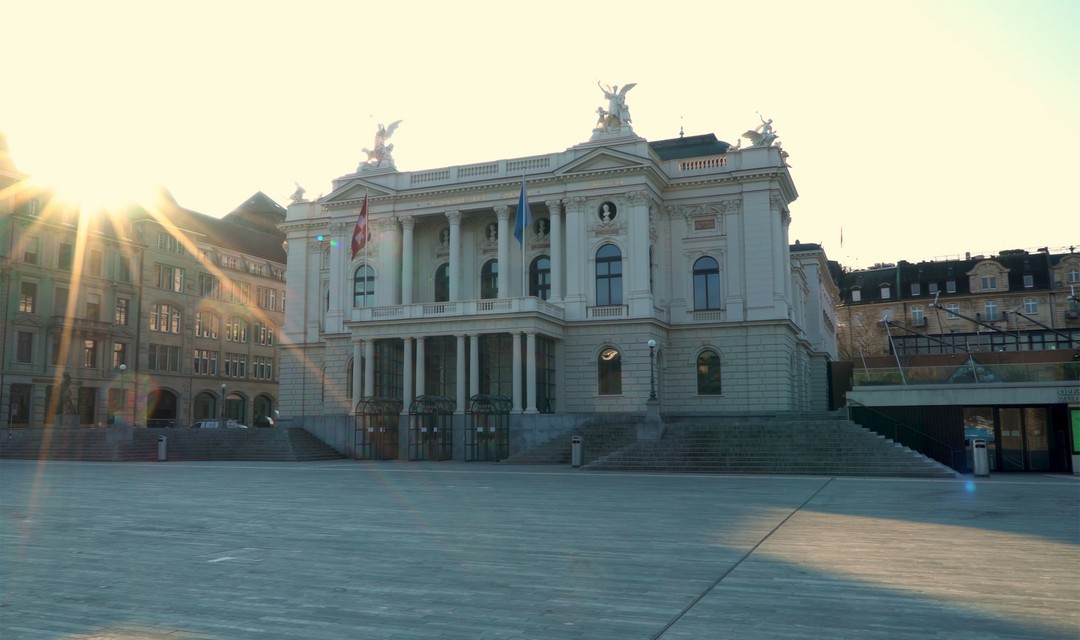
600	160
355	190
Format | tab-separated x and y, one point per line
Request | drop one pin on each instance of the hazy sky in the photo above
922	129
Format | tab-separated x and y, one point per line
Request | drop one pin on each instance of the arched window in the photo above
489	280
609	370
364	287
708	373
608	276
442	283
540	278
706	284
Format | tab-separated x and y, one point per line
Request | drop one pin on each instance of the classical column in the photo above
555	229
420	380
369	368
455	254
474	363
407	376
576	260
516	363
639	296
357	371
530	372
407	251
460	374
502	213
340	267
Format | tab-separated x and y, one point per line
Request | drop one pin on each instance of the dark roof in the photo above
805	246
689	147
258	212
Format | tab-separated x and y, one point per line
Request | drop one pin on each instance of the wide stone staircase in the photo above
293	444
823	443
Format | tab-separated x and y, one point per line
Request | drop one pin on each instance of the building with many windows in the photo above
681	244
985	347
159	315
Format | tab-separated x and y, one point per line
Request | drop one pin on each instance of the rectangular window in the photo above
267	298
885	293
1073	276
166	242
24	347
1029	281
950	286
170	278
163	358
206	325
917	317
916	289
93	306
856	295
120	314
932	288
264	334
65	257
27	297
263	368
95	261
19	403
60	301
988	283
164	318
1031	305
952	311
205	362
119	356
123	268
30	250
54	349
229	262
990	311
236	330
90	354
235	365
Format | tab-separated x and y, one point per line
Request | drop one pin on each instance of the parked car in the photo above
216	424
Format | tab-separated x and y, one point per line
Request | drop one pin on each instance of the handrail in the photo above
952	451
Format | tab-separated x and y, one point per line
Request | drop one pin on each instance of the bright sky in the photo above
923	129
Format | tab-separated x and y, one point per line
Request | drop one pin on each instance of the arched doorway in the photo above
161	409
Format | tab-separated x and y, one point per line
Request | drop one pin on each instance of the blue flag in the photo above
523	218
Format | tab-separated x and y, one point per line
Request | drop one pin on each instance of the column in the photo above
555	210
502	212
455	254
516	363
530	372
576	258
340	262
407	376
639	297
357	372
407	224
369	367
460	377
474	363
420	386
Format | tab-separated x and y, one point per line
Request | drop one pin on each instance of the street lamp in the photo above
223	404
652	369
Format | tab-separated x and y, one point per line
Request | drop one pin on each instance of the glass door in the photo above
1011	445
1037	439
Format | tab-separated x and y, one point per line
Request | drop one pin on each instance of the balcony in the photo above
79	325
458	309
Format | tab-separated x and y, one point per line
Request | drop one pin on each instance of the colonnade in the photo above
413	374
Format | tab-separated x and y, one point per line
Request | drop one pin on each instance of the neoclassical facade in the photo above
681	243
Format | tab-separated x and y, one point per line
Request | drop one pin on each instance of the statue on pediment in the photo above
381	156
298	195
617	113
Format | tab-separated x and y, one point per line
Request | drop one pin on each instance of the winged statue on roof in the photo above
763	135
380	155
617	113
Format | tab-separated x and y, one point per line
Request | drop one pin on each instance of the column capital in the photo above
502	211
553	206
407	222
574	201
454	217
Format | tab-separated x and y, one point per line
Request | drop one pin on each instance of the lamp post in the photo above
652	369
123	394
222	404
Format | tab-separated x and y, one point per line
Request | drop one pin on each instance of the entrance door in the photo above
1025	441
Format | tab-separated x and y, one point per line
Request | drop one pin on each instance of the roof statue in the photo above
617	113
380	156
298	195
763	135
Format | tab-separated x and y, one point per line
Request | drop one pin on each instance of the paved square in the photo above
343	550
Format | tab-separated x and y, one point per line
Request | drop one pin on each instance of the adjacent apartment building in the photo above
156	314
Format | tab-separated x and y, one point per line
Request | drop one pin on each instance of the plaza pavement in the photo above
394	551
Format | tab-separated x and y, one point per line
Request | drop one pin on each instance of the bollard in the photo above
575	451
162	448
980	461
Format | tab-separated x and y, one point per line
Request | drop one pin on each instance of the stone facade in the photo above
683	242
